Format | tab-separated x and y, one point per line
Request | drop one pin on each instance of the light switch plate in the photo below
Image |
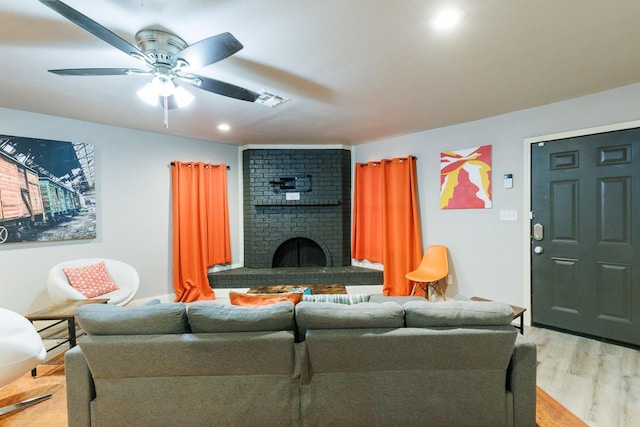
508	215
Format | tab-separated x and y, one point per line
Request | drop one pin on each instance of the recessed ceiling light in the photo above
446	19
223	127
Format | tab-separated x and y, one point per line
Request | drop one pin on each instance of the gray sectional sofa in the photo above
314	364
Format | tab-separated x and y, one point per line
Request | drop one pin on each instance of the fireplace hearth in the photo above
307	276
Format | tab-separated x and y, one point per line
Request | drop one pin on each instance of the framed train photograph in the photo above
47	190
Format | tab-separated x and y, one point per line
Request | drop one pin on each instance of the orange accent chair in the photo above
432	269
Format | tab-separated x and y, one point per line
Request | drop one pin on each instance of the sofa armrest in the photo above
80	388
521	381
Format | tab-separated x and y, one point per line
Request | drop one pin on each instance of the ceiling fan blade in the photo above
225	89
93	27
208	51
98	72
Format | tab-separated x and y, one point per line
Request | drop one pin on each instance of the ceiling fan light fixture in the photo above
163	85
148	94
182	97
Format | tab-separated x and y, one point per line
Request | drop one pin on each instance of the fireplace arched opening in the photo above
299	252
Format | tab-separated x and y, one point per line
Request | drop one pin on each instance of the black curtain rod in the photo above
377	162
217	166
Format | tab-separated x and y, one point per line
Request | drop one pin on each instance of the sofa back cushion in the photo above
108	319
424	314
372	350
370	376
206	316
217	379
327	315
172	355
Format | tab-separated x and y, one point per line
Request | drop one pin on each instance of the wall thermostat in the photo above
508	180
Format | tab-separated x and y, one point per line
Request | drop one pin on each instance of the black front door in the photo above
585	271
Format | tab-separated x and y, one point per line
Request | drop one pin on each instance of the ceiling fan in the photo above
168	58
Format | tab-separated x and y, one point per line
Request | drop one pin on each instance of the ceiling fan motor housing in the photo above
160	46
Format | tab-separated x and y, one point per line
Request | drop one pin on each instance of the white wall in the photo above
133	205
133	194
487	255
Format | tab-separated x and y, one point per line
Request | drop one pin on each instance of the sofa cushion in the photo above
424	314
239	298
206	316
107	319
327	315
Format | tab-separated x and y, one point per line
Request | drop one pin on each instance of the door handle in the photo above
538	249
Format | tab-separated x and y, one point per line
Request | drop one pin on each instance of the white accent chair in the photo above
122	274
22	350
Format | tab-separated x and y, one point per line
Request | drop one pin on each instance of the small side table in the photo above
517	312
61	312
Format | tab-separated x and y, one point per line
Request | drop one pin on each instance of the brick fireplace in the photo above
297	218
291	194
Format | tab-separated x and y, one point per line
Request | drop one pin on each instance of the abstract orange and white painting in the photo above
465	178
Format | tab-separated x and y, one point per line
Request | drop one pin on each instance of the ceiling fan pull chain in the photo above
165	106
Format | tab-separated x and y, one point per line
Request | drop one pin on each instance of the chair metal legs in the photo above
428	288
418	286
23	404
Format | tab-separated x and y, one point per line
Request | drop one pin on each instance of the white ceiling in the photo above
355	70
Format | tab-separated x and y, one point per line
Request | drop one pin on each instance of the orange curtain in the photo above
392	235
367	212
200	226
401	225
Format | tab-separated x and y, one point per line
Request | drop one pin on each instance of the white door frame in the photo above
526	197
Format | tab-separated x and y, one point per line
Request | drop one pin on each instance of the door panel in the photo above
614	288
613	214
566	291
564	211
585	274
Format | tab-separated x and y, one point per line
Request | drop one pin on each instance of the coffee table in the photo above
314	289
61	312
517	312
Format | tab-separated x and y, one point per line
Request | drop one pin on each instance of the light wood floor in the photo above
598	382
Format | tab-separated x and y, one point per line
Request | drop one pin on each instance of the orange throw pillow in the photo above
91	280
238	298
